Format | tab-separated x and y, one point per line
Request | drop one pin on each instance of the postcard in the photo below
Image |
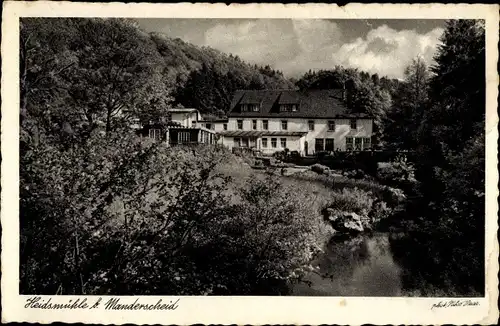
249	163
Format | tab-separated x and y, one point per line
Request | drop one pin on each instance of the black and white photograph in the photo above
299	157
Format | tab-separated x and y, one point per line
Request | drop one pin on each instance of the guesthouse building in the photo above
181	127
308	122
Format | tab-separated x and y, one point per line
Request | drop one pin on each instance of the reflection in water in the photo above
360	266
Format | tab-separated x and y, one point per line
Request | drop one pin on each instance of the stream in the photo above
359	266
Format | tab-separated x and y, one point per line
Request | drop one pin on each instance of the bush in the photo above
320	169
272	234
118	215
122	216
396	173
352	200
355	174
380	211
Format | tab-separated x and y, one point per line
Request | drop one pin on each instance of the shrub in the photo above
320	169
352	200
355	174
396	173
122	216
115	215
380	211
270	238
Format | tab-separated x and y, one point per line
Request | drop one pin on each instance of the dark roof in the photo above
207	117
259	133
289	97
311	104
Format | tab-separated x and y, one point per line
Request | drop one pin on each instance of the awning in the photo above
261	133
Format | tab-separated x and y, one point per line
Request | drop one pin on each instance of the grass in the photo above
338	183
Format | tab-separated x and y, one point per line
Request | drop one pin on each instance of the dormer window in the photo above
253	107
288	108
250	107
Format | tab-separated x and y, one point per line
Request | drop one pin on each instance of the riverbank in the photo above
362	203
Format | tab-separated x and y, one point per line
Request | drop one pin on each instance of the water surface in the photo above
359	266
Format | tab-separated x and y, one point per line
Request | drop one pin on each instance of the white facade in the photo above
317	134
217	126
187	118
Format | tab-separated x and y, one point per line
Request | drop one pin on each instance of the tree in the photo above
80	74
458	86
410	102
450	161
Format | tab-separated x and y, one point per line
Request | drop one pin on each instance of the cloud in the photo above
387	51
295	46
256	41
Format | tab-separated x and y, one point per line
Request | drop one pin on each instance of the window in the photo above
311	124
288	108
240	124
283	142
155	134
319	146
367	143
329	145
273	142
348	143
331	125
193	124
354	124
225	126
236	142
284	125
208	126
358	143
250	107
244	142
183	137
264	142
265	124
254	124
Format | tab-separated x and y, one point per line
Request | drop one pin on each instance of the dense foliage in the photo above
206	79
409	104
118	215
81	75
448	218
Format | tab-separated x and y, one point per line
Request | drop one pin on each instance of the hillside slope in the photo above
205	78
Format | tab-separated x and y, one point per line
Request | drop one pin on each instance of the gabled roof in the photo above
186	110
207	117
182	110
289	97
311	104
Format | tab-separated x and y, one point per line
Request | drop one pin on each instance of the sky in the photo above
294	46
